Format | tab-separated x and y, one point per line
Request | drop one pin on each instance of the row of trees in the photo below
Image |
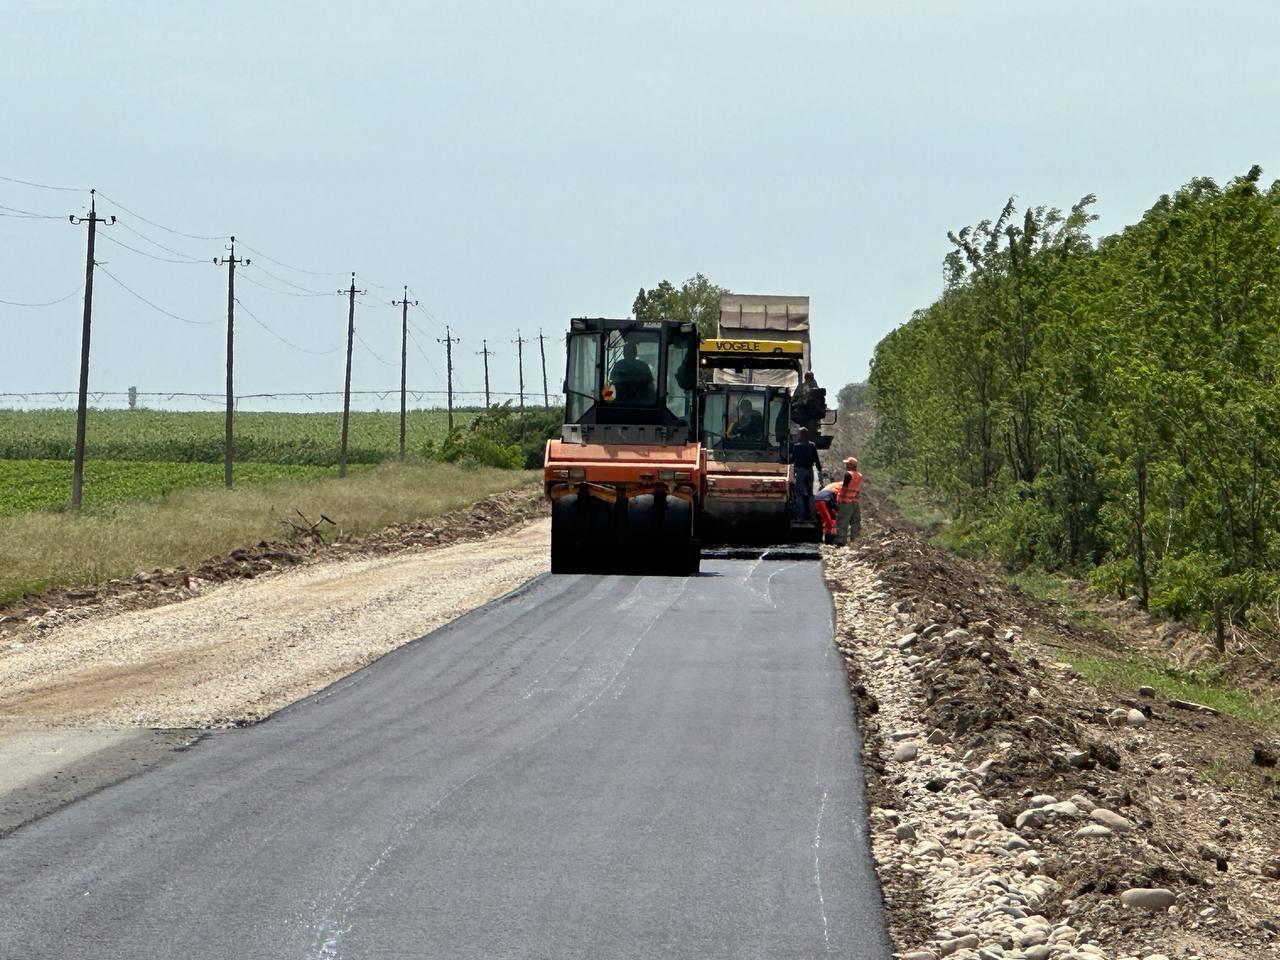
1110	406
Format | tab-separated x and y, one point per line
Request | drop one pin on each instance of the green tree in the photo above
696	300
853	396
1106	406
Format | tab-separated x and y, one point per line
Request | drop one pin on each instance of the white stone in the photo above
1064	808
1094	831
1033	818
1109	818
1156	899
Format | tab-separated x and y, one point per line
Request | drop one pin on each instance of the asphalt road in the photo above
590	768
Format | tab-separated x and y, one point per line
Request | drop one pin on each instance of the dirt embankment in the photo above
1017	811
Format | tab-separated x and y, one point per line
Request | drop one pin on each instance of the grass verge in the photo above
1129	673
39	550
1055	589
916	505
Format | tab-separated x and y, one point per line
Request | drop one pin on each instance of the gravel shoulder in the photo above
1019	813
87	702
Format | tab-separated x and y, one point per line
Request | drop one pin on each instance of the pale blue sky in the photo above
520	164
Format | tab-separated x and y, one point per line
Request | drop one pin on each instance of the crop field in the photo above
46	484
299	439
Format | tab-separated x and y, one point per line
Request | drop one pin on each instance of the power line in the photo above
431	366
143	253
29	214
290	283
155	243
161	226
372	352
153	306
288	343
426	313
50	303
283	293
45	186
288	266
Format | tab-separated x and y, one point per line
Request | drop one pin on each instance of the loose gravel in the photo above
243	650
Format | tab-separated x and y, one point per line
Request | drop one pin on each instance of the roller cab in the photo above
745	454
747	433
625	479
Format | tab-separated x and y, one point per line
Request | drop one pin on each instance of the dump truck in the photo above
625	477
757	362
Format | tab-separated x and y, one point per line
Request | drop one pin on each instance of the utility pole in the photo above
486	353
542	349
404	354
346	387
448	341
231	262
520	341
82	408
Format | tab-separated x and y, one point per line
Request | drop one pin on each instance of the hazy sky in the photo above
518	164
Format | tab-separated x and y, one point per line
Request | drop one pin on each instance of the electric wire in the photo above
288	343
427	313
155	243
29	214
287	266
161	226
373	352
430	366
285	293
296	286
121	243
49	303
44	186
153	306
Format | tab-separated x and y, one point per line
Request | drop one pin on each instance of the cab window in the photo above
631	368
584	354
747	424
682	376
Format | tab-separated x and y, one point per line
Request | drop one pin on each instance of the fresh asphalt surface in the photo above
593	767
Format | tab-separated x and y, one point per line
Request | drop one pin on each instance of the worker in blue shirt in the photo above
806	465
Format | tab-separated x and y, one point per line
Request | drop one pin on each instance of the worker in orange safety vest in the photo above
849	512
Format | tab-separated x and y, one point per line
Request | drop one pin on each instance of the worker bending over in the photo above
825	503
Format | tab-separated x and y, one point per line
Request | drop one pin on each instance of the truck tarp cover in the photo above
747	316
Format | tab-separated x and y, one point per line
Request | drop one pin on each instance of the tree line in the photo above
1106	407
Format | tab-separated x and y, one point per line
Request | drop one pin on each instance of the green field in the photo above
301	439
40	549
46	484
